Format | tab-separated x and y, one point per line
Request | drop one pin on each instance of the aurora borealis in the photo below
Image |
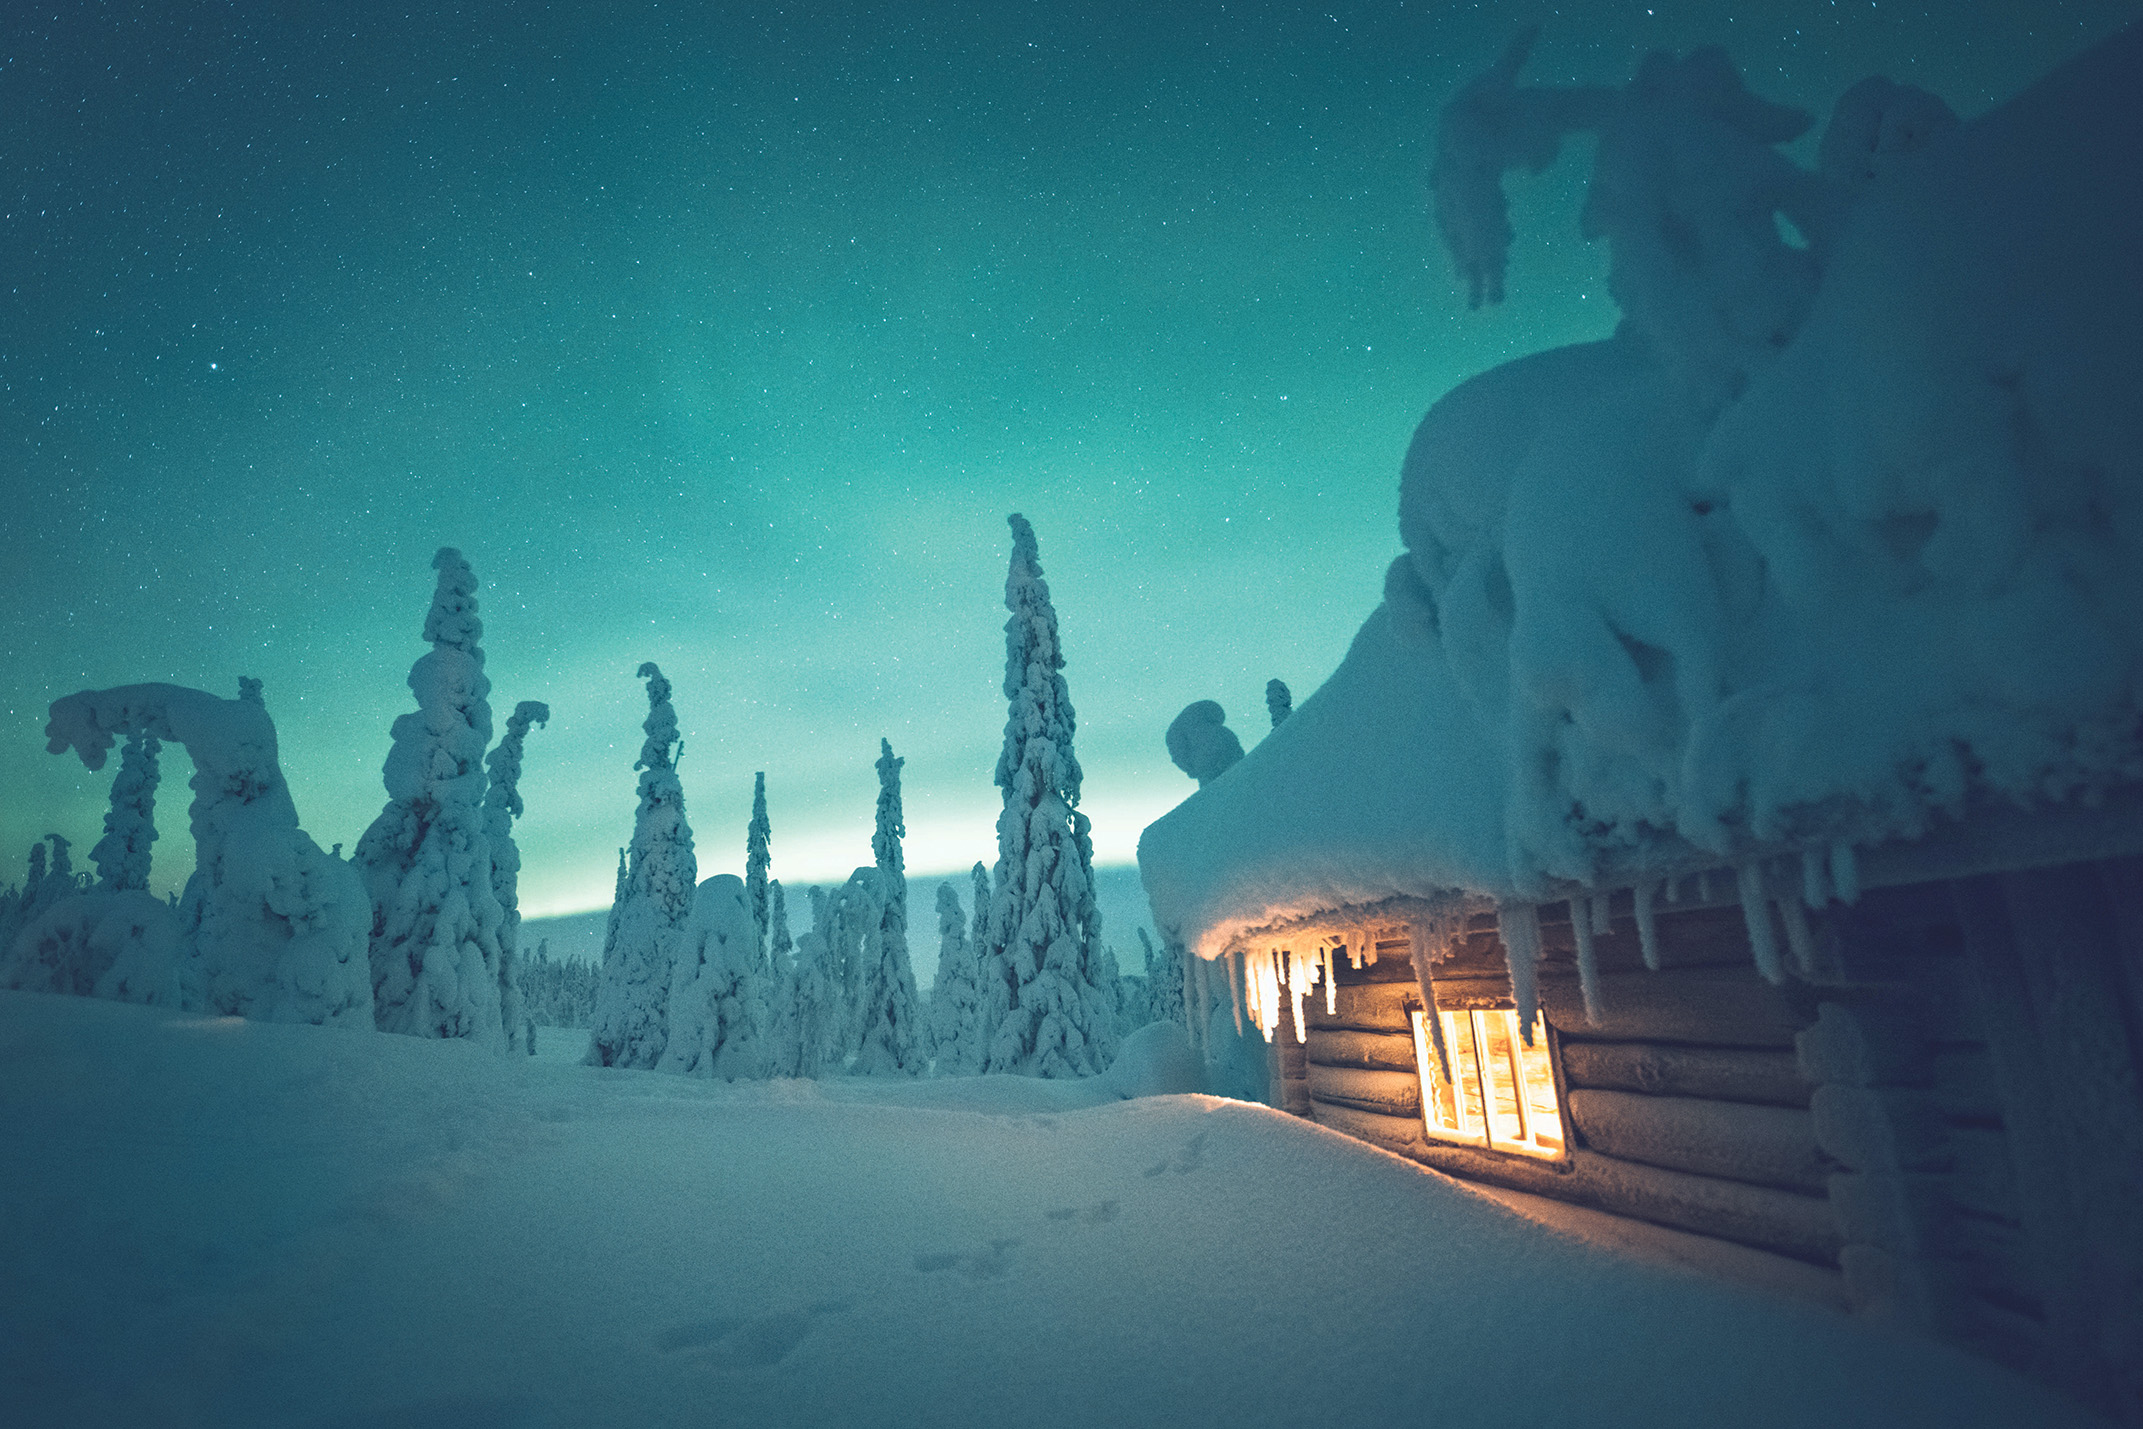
725	337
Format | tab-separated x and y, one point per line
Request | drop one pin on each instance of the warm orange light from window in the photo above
1504	1092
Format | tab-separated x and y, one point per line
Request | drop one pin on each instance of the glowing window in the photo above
1501	1093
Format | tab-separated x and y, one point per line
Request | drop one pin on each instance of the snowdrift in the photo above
1888	583
221	1222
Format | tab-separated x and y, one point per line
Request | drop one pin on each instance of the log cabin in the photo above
1687	843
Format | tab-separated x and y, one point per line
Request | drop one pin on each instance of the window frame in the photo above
1485	1140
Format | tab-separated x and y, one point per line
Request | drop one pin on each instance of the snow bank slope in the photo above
1896	575
235	1223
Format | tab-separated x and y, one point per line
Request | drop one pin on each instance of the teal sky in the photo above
726	338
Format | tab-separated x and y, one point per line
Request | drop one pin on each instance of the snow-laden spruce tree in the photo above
717	1003
780	986
954	1005
758	855
122	855
1164	981
818	993
270	927
656	885
1042	975
426	860
892	1033
502	805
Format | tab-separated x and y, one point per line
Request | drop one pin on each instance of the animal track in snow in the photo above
746	1342
1086	1215
988	1264
1189	1158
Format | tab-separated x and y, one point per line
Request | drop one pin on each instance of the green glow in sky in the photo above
727	339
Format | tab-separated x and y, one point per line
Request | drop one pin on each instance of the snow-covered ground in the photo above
216	1222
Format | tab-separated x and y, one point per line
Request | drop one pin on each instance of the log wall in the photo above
1684	1103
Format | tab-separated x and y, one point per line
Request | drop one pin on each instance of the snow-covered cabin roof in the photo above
1899	575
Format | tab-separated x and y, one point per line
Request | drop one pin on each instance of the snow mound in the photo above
1689	594
1155	1061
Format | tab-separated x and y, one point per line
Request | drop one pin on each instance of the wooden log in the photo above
1740	1141
1722	1074
1707	1006
1762	1216
1295	1097
1338	1047
1367	1007
1292	1061
1391	1093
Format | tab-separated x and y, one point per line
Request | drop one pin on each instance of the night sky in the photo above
726	336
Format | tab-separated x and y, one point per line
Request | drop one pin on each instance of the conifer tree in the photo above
781	986
1043	964
818	996
953	1004
892	1036
717	1005
502	805
656	885
426	860
758	854
1164	981
122	855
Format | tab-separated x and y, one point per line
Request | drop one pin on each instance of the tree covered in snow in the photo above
656	885
426	860
1688	187
557	992
502	805
122	855
717	1001
892	1035
1050	1011
954	1003
781	986
1164	980
270	927
758	855
1279	701
818	998
1200	742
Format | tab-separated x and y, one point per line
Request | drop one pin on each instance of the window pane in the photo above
1501	1093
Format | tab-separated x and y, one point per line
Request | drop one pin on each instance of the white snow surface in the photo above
211	1221
1894	580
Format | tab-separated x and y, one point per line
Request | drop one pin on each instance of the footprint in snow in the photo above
1189	1158
988	1264
746	1342
1086	1215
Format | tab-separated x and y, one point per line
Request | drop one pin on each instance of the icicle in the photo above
1588	957
1251	989
1756	912
1704	886
1845	872
1269	995
1602	921
1299	972
1369	950
1673	887
1235	989
1646	922
1419	940
1331	983
1190	993
1354	949
1799	939
1518	924
1815	882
